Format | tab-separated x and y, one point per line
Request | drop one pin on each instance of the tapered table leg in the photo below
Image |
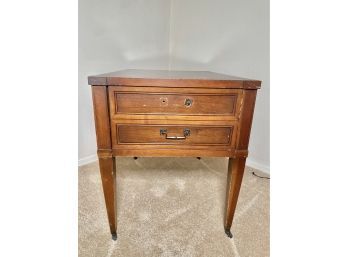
234	180
107	168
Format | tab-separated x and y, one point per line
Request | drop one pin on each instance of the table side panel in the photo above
246	119
101	116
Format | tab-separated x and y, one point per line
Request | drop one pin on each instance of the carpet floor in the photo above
170	207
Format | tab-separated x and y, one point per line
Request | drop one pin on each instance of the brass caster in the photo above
228	233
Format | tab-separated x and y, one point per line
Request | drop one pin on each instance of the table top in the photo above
173	78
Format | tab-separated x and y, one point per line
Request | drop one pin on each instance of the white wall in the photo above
232	37
114	35
228	36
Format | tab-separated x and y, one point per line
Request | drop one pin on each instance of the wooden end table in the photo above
149	113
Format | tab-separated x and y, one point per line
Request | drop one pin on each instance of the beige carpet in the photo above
172	207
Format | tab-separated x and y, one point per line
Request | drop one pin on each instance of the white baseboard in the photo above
256	165
88	159
251	163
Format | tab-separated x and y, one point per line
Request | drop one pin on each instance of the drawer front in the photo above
177	104
173	134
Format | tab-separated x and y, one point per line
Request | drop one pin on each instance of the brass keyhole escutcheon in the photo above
188	102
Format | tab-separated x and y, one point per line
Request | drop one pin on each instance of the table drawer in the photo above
173	134
178	104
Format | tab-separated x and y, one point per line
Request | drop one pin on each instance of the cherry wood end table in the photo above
149	113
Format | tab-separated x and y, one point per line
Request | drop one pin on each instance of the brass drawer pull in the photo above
186	133
188	102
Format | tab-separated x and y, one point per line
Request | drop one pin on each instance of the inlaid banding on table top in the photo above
147	113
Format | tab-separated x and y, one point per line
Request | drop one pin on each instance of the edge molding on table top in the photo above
203	80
